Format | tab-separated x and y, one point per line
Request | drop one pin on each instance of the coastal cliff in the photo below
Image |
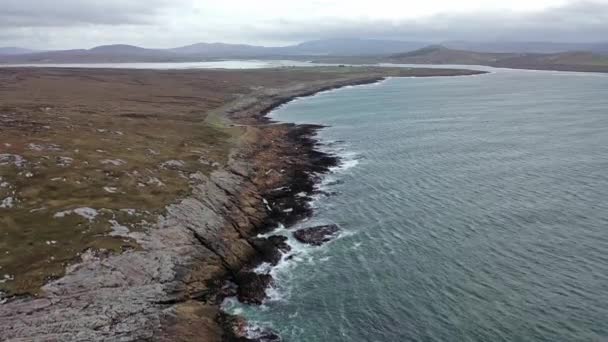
200	248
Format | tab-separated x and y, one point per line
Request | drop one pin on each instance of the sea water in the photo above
471	208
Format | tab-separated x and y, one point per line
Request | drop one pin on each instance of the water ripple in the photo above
476	210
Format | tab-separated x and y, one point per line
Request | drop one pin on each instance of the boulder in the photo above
252	286
318	235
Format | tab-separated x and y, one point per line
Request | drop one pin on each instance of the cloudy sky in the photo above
167	23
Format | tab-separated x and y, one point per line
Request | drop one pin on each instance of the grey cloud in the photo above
57	13
578	21
168	23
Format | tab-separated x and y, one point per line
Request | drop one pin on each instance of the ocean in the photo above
472	209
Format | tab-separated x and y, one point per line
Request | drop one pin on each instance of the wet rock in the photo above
280	242
267	250
237	329
256	334
229	289
270	249
252	286
318	235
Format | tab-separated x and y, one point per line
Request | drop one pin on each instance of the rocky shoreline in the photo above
202	250
294	167
171	290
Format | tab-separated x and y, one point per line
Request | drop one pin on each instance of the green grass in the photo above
37	246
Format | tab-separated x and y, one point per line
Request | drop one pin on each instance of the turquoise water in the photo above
472	208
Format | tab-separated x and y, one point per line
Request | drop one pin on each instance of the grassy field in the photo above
85	159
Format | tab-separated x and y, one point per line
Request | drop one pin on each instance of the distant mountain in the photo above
567	61
575	61
415	52
439	54
202	51
326	47
526	47
121	49
351	47
221	49
101	54
599	48
10	50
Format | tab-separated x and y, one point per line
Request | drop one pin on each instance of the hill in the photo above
566	61
351	47
11	50
99	54
336	51
526	47
438	54
221	49
201	51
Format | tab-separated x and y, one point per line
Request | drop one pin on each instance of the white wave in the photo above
345	165
232	306
274	294
302	254
279	230
263	268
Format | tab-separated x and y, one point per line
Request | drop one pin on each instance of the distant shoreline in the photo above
249	64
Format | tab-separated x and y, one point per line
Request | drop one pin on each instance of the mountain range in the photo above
200	51
11	50
318	48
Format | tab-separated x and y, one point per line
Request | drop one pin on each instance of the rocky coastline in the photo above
293	167
201	251
204	247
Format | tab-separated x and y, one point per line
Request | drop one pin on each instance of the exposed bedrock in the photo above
126	297
237	328
252	286
318	235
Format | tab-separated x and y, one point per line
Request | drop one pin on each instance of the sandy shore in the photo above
201	245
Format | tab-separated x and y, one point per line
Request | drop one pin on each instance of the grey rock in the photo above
124	297
317	235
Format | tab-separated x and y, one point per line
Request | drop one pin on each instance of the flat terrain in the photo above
87	156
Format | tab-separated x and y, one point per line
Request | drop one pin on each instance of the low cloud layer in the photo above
166	23
579	21
59	13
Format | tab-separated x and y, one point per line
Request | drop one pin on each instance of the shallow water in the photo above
475	209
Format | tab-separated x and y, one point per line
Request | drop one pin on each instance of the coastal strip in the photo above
203	247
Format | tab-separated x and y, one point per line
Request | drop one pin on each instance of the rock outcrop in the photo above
318	235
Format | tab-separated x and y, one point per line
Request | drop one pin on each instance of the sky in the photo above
63	24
